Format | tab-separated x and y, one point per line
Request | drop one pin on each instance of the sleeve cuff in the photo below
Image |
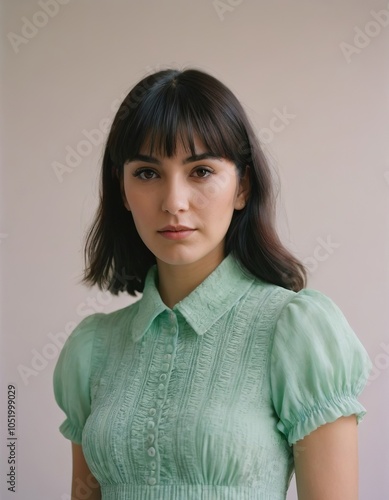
338	406
69	431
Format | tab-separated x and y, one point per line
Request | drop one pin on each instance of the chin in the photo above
177	260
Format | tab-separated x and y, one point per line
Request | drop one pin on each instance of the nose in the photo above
175	196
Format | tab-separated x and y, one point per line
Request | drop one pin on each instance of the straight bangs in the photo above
178	112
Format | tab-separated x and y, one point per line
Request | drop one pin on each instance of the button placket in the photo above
162	377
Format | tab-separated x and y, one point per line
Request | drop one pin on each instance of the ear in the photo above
244	190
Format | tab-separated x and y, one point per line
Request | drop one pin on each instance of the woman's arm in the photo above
326	462
84	484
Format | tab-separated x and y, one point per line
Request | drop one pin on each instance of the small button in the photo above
150	438
161	387
152	411
172	316
152	473
163	377
161	433
168	357
153	465
169	348
150	424
165	367
151	451
152	480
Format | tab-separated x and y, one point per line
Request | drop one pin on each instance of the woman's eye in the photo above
141	171
207	170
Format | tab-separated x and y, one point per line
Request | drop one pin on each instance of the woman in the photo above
227	375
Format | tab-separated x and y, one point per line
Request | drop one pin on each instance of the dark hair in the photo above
159	107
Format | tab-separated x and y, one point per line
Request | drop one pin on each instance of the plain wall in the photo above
322	62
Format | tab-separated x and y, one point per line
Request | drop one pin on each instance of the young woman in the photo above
227	375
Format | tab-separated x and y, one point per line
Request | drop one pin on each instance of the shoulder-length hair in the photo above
159	107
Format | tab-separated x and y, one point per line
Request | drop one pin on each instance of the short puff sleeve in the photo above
71	378
318	365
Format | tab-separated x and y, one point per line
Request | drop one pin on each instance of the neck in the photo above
176	281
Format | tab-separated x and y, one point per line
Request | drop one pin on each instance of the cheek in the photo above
221	201
216	196
139	204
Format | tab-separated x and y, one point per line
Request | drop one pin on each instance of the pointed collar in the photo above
215	295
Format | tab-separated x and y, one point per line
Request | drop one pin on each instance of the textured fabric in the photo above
204	400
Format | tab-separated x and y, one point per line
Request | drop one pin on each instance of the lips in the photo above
176	228
177	235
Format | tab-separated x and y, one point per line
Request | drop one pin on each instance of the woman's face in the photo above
198	193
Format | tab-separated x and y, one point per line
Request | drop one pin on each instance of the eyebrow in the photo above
190	159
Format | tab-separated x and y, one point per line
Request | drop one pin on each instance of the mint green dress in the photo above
205	400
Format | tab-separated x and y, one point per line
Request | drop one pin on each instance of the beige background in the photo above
67	77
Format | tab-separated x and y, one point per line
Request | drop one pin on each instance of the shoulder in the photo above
309	307
84	332
311	321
